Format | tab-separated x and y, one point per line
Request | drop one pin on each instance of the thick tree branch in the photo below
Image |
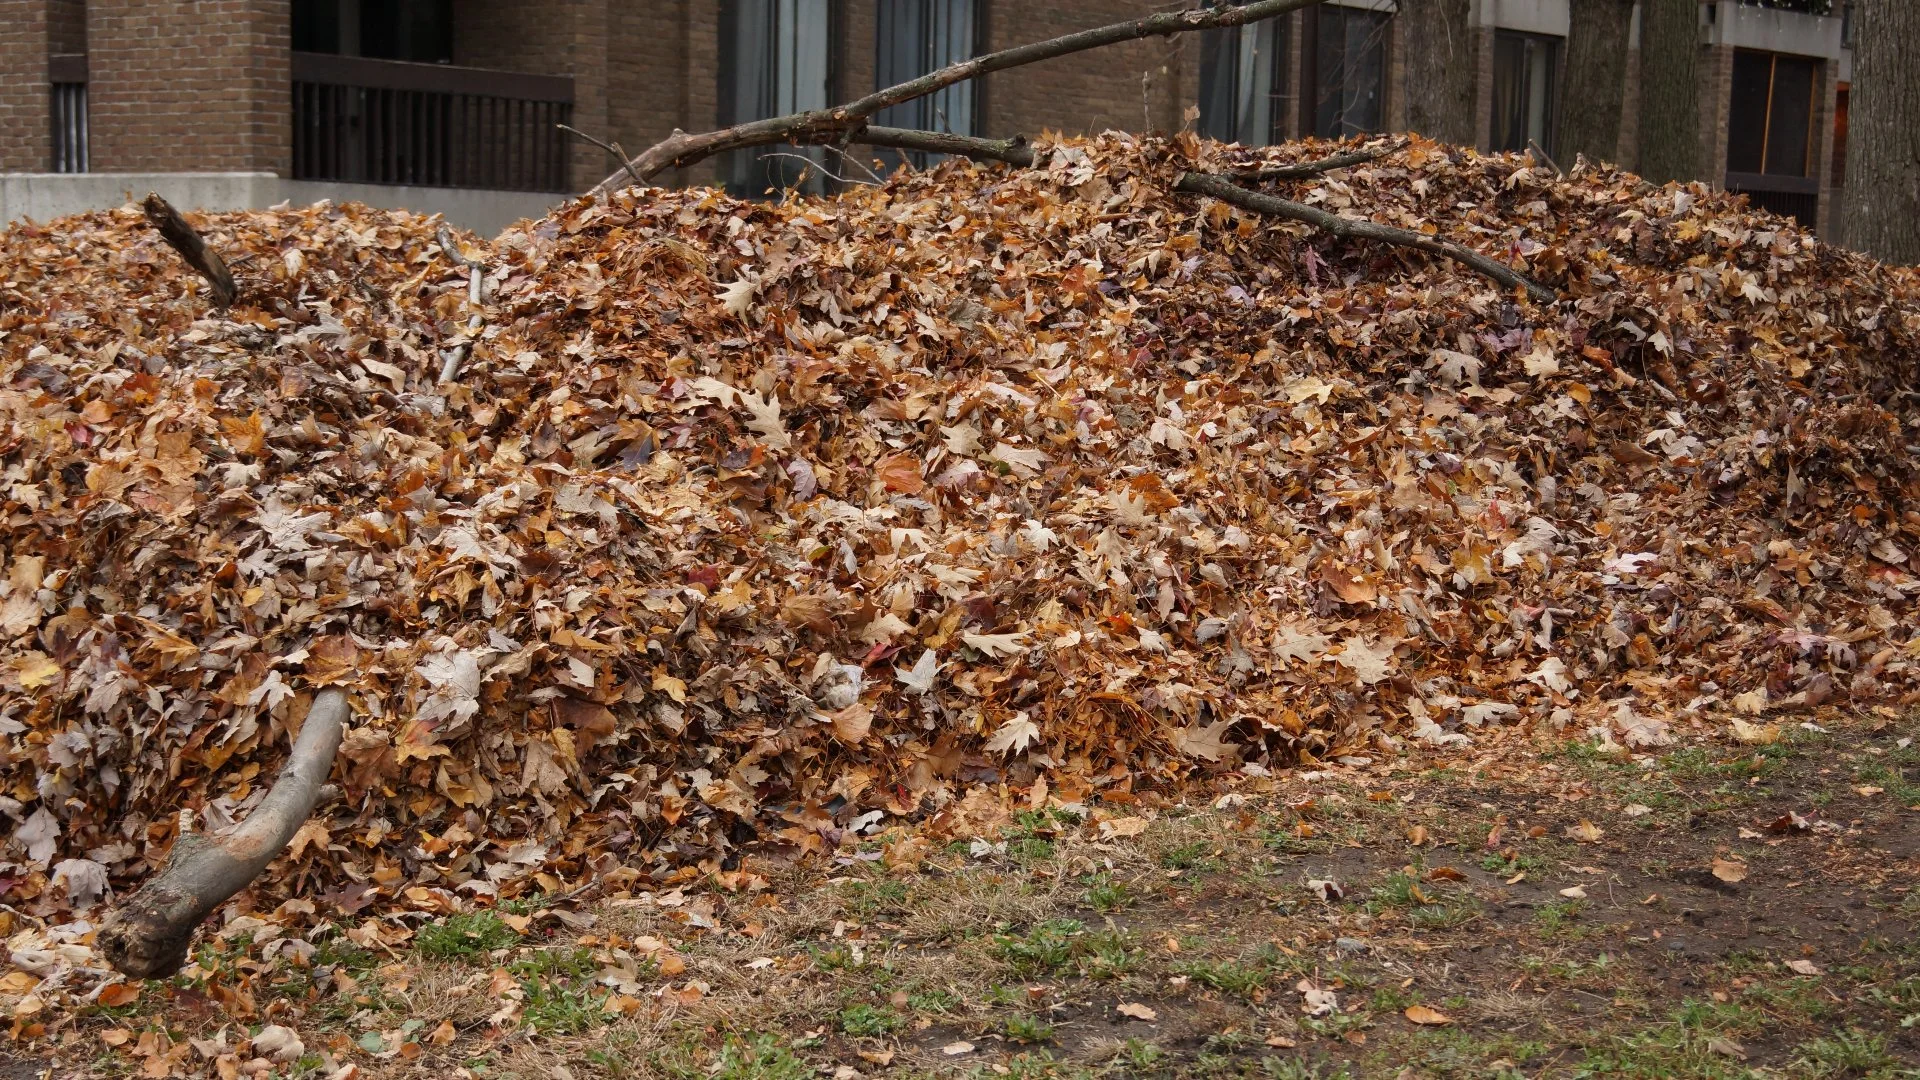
149	935
843	123
182	238
1014	151
1227	191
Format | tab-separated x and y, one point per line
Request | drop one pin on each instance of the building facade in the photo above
456	105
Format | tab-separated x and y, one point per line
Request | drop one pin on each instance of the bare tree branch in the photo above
192	247
619	155
148	936
1219	187
1014	151
844	122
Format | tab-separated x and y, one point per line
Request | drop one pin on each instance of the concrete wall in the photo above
42	196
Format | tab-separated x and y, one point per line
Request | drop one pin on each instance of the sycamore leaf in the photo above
1014	736
1421	1014
1541	362
962	439
1293	643
1025	460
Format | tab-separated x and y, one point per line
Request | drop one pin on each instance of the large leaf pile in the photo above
765	524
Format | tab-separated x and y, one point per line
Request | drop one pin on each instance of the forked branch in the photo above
844	123
148	936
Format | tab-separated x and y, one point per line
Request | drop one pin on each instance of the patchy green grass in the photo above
465	936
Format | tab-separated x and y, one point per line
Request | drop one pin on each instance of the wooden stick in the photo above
1219	187
843	123
1308	169
182	238
148	936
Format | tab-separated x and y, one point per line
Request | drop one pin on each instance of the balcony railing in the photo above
388	122
67	74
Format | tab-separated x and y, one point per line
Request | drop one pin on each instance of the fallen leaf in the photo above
1803	967
955	1049
1421	1014
1729	870
1586	832
1136	1010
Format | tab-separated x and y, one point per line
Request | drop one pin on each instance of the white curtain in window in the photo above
778	63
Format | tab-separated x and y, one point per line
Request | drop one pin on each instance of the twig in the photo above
148	936
1219	187
825	125
451	359
823	169
1013	151
182	238
619	155
1536	148
1305	169
841	152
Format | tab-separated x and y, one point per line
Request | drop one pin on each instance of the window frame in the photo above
1312	27
1554	48
1277	34
925	113
734	168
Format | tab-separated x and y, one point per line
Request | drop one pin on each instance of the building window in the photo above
1843	99
1346	61
774	60
1242	71
67	72
1770	139
417	30
1526	70
914	37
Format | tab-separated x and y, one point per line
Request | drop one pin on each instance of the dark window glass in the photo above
1747	113
1525	78
416	30
917	36
1242	79
774	60
1350	70
1770	116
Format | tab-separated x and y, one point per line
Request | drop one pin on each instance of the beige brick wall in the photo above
189	85
25	139
1715	79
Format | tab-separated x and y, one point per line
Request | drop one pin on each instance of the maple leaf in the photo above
1370	662
1293	643
1014	736
919	678
962	439
1455	368
1029	461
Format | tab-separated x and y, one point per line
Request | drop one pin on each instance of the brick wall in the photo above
1128	86
67	26
189	85
560	37
1715	79
25	130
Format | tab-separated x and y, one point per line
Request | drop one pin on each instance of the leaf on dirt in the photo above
1574	892
1586	832
1726	1048
1326	889
1731	871
1756	734
1640	732
1634	810
1803	967
1136	1010
1114	828
1421	1014
955	1049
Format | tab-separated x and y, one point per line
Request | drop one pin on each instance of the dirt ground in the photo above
1533	907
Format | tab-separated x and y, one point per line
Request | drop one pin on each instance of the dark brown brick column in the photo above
25	127
185	86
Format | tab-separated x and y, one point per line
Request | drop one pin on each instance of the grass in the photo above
465	936
1043	950
1848	1053
867	1021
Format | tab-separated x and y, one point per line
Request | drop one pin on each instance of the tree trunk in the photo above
1882	195
1440	69
1669	94
1595	77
